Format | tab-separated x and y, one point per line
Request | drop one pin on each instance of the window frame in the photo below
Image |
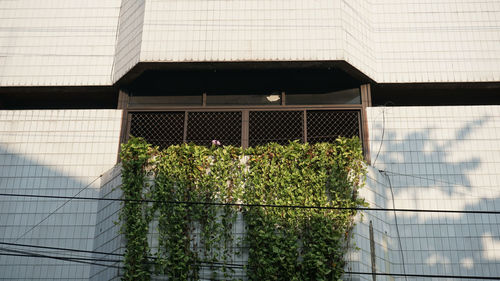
128	110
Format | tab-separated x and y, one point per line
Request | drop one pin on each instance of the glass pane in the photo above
158	128
204	127
253	99
275	126
350	96
326	126
167	100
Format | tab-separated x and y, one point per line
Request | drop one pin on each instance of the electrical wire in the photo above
425	275
35	255
58	208
95	252
422	178
254	205
60	249
382	138
397	226
345	272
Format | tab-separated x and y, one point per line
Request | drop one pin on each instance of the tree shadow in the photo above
439	168
30	221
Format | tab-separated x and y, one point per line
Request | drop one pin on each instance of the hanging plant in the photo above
199	191
134	215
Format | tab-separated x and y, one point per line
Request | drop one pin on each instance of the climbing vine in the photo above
278	243
134	215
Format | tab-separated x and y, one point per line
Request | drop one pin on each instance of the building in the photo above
421	78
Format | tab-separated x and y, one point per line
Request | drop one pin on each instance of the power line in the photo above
60	249
58	208
32	254
94	252
345	272
35	255
382	138
424	275
421	177
397	227
254	205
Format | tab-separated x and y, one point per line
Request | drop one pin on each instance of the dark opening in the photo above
326	126
241	81
275	126
158	128
204	127
58	98
436	94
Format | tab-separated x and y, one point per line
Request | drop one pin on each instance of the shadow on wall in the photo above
441	168
72	226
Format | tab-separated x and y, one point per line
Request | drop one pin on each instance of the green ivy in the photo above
134	215
282	243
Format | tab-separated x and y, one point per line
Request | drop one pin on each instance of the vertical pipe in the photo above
184	137
245	132
372	253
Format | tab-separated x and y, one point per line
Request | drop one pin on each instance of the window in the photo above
244	127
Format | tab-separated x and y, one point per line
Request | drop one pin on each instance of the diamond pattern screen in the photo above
203	127
281	126
326	126
158	128
275	126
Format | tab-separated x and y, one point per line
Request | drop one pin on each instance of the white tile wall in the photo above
387	255
52	152
437	40
128	45
442	158
57	42
243	30
359	50
106	237
75	42
390	41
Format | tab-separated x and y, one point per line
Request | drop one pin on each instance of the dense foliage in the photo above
198	193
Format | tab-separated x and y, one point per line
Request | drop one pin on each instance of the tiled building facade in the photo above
72	58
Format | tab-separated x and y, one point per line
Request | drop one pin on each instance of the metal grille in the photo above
158	128
275	126
175	127
203	127
326	126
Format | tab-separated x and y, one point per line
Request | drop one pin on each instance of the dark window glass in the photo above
326	126
158	128
168	100
275	126
204	127
254	99
350	96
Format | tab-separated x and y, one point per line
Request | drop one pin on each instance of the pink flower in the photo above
216	142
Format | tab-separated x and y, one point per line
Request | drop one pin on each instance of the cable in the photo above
430	179
345	272
397	226
255	205
423	178
34	255
60	249
58	208
95	252
57	258
425	275
382	138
